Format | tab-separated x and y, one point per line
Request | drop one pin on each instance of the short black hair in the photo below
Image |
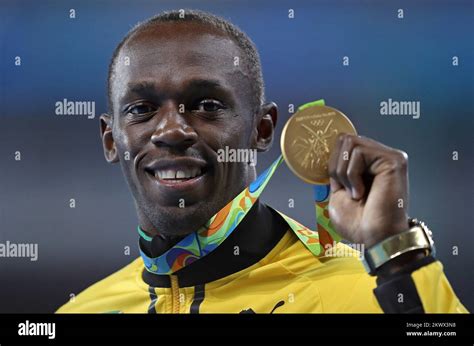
240	38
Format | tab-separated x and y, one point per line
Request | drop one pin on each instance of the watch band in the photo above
417	237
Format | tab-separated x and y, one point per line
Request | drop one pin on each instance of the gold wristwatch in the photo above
417	237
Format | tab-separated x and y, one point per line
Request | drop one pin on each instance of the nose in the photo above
173	129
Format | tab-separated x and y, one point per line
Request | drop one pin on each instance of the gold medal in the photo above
308	139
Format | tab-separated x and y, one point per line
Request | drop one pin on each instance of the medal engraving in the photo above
308	138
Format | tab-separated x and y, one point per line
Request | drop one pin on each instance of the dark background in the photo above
406	59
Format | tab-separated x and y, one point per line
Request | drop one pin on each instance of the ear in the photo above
108	143
266	120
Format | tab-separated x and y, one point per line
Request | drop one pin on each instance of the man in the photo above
177	96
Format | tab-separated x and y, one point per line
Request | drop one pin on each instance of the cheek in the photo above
129	140
235	135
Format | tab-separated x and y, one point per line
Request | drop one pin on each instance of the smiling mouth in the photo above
178	173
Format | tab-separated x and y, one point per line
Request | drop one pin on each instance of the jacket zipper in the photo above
175	294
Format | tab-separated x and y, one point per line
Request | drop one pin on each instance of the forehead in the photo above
175	52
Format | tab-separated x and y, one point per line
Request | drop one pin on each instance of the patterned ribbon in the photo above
207	238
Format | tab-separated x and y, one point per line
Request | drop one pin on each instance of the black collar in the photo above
254	237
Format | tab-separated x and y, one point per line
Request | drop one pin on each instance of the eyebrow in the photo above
141	87
147	86
150	89
204	83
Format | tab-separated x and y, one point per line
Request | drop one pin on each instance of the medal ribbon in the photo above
207	238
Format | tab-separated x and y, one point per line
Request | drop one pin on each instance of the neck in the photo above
255	236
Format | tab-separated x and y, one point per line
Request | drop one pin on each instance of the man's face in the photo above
180	100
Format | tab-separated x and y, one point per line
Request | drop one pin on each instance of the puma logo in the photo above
250	311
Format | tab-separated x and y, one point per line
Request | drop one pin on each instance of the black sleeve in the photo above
397	293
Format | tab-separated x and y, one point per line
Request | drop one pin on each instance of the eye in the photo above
209	105
141	108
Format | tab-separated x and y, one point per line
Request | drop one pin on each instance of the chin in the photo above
175	221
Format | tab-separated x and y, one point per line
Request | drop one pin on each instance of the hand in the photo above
369	190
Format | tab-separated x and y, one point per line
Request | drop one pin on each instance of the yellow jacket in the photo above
289	279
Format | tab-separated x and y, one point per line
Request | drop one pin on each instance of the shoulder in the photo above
340	259
119	283
336	277
340	263
296	254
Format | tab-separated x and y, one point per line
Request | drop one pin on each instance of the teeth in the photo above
179	174
195	172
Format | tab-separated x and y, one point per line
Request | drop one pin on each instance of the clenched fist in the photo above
369	190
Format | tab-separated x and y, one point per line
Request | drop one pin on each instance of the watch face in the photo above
425	228
429	235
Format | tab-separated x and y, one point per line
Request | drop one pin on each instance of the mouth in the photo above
179	173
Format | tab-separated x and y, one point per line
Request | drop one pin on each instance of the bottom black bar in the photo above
85	329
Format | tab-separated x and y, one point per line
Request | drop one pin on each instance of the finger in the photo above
343	161
332	165
335	186
374	160
355	170
379	157
334	156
